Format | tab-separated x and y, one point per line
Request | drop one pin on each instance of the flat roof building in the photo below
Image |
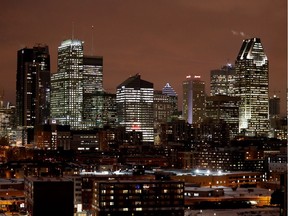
138	197
49	196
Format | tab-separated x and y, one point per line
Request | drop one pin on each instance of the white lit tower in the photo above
252	80
194	100
67	86
134	101
222	81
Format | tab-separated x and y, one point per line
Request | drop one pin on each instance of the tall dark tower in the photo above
252	79
33	86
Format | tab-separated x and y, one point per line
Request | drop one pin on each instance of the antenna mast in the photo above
92	40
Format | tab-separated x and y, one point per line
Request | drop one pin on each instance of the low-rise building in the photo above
49	196
138	197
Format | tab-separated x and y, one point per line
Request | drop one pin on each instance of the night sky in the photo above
163	40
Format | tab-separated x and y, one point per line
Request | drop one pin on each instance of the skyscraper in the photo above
67	86
92	92
172	96
194	98
252	79
274	106
33	86
164	107
224	108
109	115
134	99
222	81
92	74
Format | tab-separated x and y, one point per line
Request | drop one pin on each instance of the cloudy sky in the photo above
163	40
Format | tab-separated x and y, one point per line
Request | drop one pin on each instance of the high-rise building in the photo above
67	85
109	115
33	86
92	74
164	106
134	99
77	87
274	106
222	81
92	92
172	96
226	109
194	100
252	79
7	121
276	125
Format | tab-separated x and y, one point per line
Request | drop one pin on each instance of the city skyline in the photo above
157	40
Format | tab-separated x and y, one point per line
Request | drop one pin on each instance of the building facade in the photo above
194	98
252	79
7	120
172	96
109	115
134	99
43	197
222	81
224	108
67	87
164	106
274	106
93	98
140	197
33	86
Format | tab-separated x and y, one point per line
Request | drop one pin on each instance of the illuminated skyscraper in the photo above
194	98
172	96
93	74
134	99
92	92
32	86
163	107
252	79
222	81
67	86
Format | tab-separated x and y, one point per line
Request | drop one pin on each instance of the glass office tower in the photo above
33	86
252	79
134	99
67	87
194	100
93	94
222	81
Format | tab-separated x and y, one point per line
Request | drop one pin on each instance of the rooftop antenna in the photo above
92	40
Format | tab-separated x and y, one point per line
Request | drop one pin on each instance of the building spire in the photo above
92	39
